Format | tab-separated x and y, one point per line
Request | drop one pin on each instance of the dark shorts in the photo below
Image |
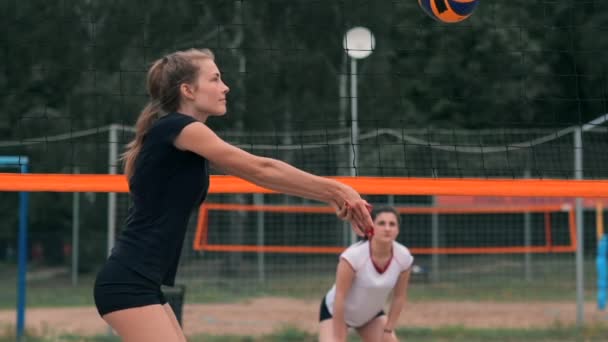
117	287
324	312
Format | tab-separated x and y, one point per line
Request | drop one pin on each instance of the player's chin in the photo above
220	111
385	239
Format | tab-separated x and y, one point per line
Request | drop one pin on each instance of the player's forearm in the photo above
339	323
395	310
282	177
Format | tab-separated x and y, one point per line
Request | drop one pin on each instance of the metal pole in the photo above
354	129
528	243
112	160
578	174
22	262
434	242
527	239
343	104
258	199
75	233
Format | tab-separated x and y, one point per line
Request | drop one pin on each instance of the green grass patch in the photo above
444	334
487	278
61	293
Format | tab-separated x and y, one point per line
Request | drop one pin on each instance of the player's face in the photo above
386	227
209	94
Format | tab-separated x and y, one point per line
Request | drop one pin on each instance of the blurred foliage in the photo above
71	65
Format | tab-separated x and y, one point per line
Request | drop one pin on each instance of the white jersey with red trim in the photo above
371	286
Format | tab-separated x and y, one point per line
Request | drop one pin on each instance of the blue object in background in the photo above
602	272
20	162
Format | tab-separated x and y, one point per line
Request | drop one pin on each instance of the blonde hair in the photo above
163	85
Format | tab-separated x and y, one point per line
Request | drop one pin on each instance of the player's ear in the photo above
186	91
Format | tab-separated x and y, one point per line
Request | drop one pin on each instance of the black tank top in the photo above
167	184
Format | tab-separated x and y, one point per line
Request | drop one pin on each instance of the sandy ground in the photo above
265	315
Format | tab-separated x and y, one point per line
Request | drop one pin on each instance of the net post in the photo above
435	243
258	199
527	239
578	174
22	275
75	233
112	159
20	162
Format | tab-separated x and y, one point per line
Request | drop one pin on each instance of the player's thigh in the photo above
326	330
373	330
148	323
173	319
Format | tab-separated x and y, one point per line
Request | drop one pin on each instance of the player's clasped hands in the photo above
357	212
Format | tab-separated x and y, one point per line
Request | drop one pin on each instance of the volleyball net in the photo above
488	220
460	192
439	216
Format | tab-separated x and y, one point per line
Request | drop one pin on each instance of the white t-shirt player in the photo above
367	273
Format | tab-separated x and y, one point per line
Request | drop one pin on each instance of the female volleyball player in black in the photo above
167	169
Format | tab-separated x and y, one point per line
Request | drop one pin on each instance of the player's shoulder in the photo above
402	254
173	119
356	252
398	248
358	247
168	126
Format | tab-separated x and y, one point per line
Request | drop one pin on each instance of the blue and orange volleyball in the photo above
448	11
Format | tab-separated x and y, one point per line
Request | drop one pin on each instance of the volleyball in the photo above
448	11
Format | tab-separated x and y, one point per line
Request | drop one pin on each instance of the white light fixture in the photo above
359	42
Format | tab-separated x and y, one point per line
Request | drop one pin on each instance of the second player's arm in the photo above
399	299
344	280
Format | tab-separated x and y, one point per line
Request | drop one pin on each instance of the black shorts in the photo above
117	287
324	312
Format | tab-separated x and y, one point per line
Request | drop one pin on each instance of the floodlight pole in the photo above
358	44
354	126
